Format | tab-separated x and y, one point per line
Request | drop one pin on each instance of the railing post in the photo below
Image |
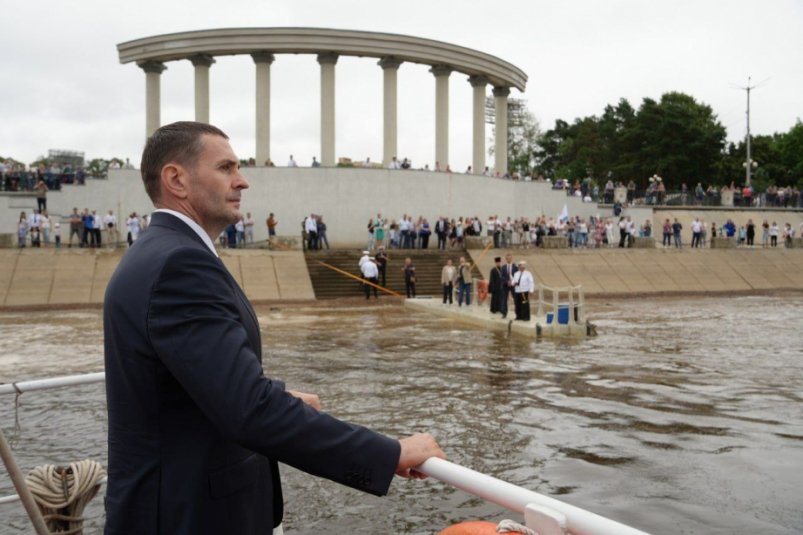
22	489
571	305
540	312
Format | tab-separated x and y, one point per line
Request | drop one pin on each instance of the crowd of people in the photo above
84	229
239	234
596	232
18	177
656	194
744	235
506	281
409	232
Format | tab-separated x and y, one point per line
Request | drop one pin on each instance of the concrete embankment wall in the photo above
40	277
657	271
78	277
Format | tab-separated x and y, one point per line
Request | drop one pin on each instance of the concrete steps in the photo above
328	284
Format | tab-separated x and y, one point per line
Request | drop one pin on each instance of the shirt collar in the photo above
193	225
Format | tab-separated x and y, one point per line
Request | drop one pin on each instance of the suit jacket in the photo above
507	274
195	427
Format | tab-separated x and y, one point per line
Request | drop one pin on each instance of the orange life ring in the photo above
482	291
476	527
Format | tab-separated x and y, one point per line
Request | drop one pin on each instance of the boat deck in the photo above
480	316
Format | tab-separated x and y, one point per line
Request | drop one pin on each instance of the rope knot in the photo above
62	493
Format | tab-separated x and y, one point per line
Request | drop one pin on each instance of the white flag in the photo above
564	214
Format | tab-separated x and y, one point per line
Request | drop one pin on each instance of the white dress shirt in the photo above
193	225
310	225
523	282
369	270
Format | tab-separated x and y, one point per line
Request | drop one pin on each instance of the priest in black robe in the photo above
495	286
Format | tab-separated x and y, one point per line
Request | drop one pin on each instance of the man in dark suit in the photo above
508	270
195	427
495	285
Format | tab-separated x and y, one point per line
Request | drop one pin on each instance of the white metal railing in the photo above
517	499
575	300
52	382
579	521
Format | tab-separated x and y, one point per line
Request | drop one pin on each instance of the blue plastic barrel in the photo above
563	314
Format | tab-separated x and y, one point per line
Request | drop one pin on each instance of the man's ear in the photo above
174	179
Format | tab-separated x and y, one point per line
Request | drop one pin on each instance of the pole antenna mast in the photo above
749	164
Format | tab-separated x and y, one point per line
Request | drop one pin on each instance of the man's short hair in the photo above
178	142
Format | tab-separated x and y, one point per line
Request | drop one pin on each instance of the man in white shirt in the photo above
97	225
631	231
371	274
366	257
696	232
507	238
239	228
292	162
110	222
34	220
249	222
404	231
311	226
394	164
133	224
46	226
490	226
523	286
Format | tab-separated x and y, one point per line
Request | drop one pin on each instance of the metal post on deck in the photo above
571	305
540	312
555	297
22	489
582	313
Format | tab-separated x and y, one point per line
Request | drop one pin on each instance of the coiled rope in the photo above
62	493
509	526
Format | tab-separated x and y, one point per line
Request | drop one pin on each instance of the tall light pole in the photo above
748	164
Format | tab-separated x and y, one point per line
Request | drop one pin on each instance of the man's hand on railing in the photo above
310	399
415	450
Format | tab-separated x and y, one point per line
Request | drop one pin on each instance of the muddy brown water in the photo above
682	416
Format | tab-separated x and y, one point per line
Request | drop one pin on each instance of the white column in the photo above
478	84
327	61
500	147
390	70
263	61
153	71
202	62
441	73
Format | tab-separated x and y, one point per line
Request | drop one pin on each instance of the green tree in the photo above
676	137
522	141
790	152
680	139
523	136
97	167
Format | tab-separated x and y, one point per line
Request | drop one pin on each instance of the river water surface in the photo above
682	416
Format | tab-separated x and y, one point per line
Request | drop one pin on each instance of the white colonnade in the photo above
201	47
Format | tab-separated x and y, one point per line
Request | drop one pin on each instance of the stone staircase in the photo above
329	284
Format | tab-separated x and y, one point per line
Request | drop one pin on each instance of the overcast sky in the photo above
63	86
